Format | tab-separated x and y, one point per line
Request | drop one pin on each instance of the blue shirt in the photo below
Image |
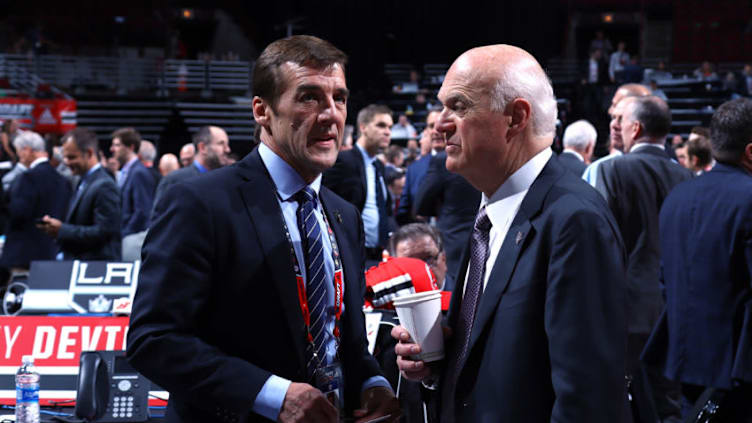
288	182
124	171
370	213
200	168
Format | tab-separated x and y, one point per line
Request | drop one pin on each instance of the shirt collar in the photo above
200	168
641	145
576	154
37	161
129	165
522	179
92	170
364	153
286	179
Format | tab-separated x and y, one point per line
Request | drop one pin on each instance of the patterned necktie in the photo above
381	203
313	250
479	252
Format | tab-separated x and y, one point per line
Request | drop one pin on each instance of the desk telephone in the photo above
110	390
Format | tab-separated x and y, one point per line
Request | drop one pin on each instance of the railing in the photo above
123	75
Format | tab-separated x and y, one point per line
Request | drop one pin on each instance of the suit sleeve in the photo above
429	196
174	290
106	219
585	319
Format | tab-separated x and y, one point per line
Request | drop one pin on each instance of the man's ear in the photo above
261	110
519	111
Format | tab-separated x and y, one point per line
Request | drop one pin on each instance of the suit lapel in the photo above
513	245
77	196
258	193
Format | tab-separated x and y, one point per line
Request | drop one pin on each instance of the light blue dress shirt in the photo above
288	182
370	214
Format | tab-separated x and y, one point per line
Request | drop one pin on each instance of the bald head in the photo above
628	90
168	163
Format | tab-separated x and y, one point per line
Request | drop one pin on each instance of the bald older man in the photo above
538	313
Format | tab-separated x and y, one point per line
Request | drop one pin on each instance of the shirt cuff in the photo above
375	381
269	400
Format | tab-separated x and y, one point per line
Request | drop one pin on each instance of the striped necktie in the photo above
313	251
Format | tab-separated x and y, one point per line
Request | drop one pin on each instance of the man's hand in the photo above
378	402
411	369
304	403
50	225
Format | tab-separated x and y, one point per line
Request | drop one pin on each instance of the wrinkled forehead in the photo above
466	77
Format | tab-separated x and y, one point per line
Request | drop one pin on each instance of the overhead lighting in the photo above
608	17
187	13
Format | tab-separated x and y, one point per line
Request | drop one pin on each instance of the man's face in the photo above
425	249
25	156
437	139
378	132
629	126
186	155
681	156
307	124
475	135
75	159
396	187
119	151
614	127
217	149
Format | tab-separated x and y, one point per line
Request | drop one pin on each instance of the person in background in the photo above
579	141
137	184
168	163
187	152
147	153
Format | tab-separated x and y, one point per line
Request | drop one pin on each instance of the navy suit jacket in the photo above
35	193
454	202
549	338
91	229
634	185
415	173
137	197
217	312
704	336
571	162
347	178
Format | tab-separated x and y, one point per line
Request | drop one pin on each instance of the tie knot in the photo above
305	195
482	222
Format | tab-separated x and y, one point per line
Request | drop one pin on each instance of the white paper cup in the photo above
420	314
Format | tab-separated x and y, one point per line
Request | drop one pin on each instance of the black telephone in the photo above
110	390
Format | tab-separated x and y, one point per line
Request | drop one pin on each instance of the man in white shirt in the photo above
618	60
538	311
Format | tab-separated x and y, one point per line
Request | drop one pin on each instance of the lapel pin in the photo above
338	216
519	238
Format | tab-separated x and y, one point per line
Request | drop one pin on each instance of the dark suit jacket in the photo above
347	178
34	193
572	163
217	312
549	337
704	336
92	225
454	202
137	197
174	177
634	186
415	173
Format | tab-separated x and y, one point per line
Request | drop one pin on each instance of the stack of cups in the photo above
420	314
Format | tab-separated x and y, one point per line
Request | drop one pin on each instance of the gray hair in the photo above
29	139
526	79
579	135
147	151
414	232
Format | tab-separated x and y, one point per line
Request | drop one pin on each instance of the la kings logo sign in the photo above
95	285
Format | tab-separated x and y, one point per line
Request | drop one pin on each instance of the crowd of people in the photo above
583	288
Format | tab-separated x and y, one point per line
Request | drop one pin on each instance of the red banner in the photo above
44	116
56	344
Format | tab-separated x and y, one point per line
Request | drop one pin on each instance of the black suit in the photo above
548	340
573	163
347	178
217	312
174	177
454	202
92	225
137	198
37	192
635	186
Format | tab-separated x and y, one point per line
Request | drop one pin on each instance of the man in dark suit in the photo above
136	183
634	185
417	170
358	177
703	337
579	141
259	241
538	313
91	228
37	192
454	202
212	147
